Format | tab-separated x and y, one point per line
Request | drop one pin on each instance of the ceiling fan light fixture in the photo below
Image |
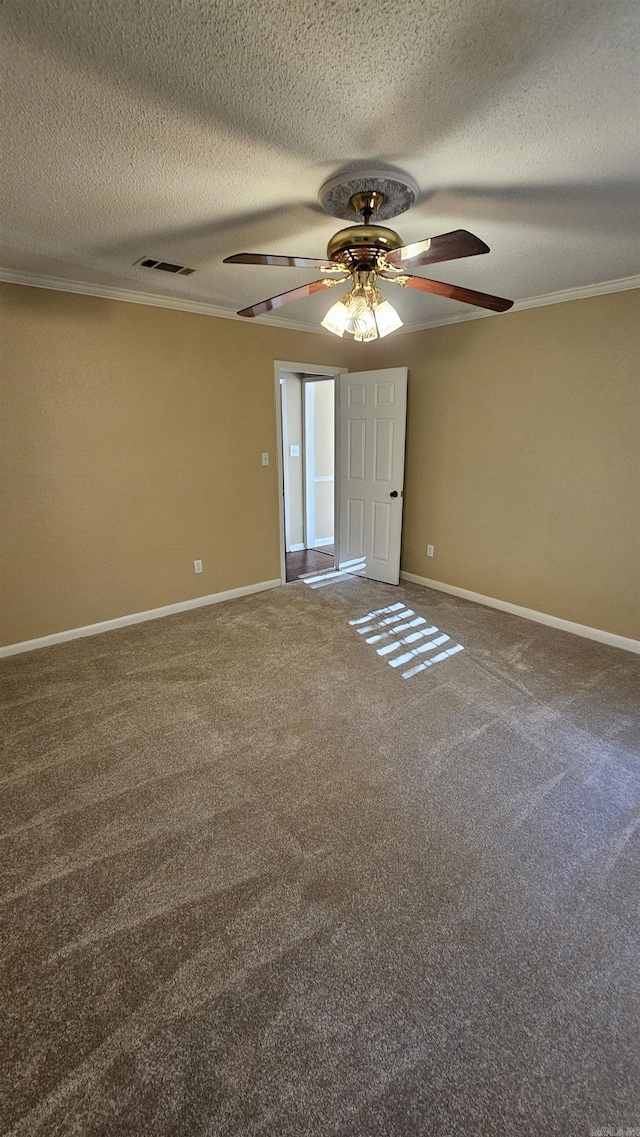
353	313
350	314
363	313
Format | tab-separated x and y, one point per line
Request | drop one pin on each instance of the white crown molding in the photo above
137	618
183	304
132	296
582	292
609	638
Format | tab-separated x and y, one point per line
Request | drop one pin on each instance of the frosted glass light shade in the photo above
336	319
363	323
387	318
368	329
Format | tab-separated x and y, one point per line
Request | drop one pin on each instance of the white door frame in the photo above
308	456
320	372
285	469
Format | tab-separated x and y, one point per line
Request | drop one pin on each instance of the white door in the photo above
373	408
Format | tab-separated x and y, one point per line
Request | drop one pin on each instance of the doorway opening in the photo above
306	416
308	437
364	474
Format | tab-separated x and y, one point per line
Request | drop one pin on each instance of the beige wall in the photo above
131	444
523	457
132	439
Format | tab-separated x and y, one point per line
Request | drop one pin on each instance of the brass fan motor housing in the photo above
362	243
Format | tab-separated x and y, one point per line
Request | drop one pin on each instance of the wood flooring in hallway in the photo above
308	560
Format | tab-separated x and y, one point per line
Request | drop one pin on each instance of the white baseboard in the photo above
296	548
528	613
137	618
324	541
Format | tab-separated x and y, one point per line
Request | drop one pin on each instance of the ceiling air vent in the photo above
164	266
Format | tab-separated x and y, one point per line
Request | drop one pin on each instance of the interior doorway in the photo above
307	456
308	438
366	481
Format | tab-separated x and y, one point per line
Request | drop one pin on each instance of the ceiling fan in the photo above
367	252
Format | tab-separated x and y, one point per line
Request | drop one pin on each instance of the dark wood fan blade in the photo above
272	259
287	297
446	247
454	292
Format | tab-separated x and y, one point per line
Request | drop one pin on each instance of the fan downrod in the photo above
366	203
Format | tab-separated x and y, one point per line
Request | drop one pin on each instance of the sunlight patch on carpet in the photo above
387	627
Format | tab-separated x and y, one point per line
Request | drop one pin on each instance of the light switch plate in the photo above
429	550
294	451
265	459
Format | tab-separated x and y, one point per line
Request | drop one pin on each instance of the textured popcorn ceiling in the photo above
187	130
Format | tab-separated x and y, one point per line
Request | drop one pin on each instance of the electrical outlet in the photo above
294	451
197	566
265	459
429	550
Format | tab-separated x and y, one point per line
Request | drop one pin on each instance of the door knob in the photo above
394	493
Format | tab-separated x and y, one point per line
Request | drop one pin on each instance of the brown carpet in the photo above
255	882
